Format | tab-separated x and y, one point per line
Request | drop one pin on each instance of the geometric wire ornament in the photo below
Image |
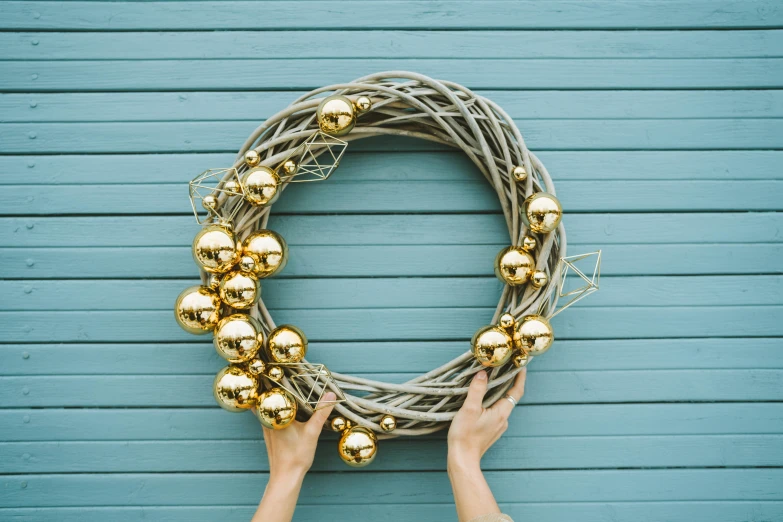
591	283
206	184
316	157
312	395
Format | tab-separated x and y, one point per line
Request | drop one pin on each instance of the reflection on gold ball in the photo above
338	424
507	321
256	367
519	173
388	423
287	344
276	408
539	279
209	202
358	446
261	186
514	266
215	249
239	289
247	264
336	115
492	346
290	167
529	243
542	212
275	373
197	309
535	334
363	104
238	338
269	251
521	359
235	389
232	186
252	158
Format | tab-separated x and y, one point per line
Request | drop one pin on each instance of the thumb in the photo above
476	391
318	418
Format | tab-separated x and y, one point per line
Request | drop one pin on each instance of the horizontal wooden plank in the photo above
560	14
199	357
260	74
382	44
413	488
257	106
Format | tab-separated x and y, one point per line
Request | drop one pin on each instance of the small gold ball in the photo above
210	202
287	344
514	266
252	158
521	359
197	309
247	264
290	167
276	408
507	321
529	243
275	373
215	249
238	338
519	173
260	186
363	104
336	115
542	213
269	251
492	346
235	389
240	289
539	279
213	281
388	423
232	186
358	446
535	334
338	424
256	367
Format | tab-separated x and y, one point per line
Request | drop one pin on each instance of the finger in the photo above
476	391
323	410
503	406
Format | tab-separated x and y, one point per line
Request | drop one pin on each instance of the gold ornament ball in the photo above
388	423
363	104
529	243
232	186
197	309
336	115
276	408
492	346
535	334
215	249
247	264
269	251
252	158
275	373
507	321
290	167
213	281
358	446
287	344
521	359
338	424
210	202
239	289
542	213
514	266
519	173
238	338
235	389
539	279
261	186
256	367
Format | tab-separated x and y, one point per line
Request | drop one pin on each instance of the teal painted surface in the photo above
659	121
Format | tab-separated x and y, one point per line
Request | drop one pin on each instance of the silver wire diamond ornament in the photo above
568	264
298	376
316	159
220	184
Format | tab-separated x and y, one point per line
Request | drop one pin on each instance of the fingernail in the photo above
482	375
328	396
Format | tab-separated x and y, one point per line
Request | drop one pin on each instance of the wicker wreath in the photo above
304	142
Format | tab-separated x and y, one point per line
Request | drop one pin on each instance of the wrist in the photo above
463	461
287	476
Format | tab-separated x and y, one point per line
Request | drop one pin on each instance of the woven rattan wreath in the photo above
268	372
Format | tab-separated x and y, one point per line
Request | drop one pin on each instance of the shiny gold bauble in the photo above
247	264
492	346
514	266
290	167
388	423
535	334
507	321
520	360
542	212
519	173
232	186
358	446
286	344
215	249
240	289
210	202
213	281
363	104
276	408
256	367
336	115
338	424
261	186
529	243
238	338
235	389
275	373
197	309
269	251
539	279
252	158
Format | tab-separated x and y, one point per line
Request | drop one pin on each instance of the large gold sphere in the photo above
358	446
514	266
336	115
239	289
535	334
261	186
287	344
235	389
542	212
492	346
215	249
197	309
238	338
388	423
269	251
276	408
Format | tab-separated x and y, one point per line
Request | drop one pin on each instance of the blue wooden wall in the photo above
659	120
